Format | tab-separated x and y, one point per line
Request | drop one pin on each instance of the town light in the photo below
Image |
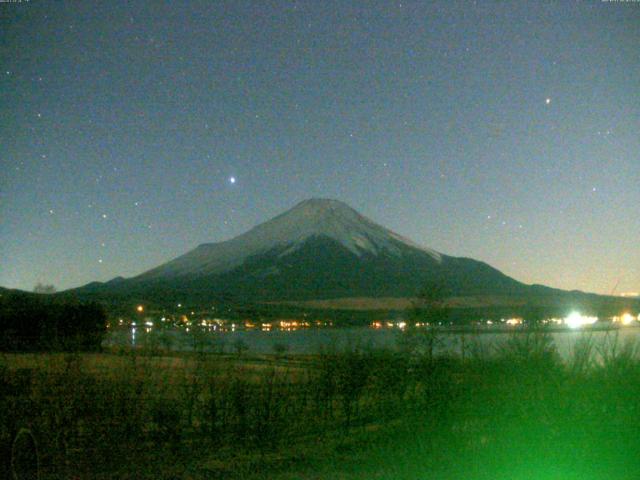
577	320
626	319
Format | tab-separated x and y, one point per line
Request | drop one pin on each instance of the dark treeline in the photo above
531	312
539	303
30	322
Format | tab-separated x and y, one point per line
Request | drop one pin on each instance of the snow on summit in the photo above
336	220
310	218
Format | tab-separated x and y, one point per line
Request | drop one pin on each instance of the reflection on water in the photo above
310	341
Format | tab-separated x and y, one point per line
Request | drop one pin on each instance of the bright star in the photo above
232	179
547	101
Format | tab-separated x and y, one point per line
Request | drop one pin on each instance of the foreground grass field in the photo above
513	411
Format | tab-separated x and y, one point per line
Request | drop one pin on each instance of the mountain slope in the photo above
320	249
287	233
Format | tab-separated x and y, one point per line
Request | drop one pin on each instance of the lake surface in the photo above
311	341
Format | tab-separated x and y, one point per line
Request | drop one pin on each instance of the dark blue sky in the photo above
508	132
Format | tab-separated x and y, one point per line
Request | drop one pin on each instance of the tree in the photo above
533	314
352	373
42	288
430	306
32	323
429	310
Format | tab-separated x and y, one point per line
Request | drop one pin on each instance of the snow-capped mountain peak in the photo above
311	218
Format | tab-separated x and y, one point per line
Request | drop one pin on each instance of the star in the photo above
104	215
547	100
232	180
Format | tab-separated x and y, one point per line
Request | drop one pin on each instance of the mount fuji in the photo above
320	250
315	221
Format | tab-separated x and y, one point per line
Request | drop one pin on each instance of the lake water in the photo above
311	341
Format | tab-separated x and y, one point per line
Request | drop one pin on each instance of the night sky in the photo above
507	132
